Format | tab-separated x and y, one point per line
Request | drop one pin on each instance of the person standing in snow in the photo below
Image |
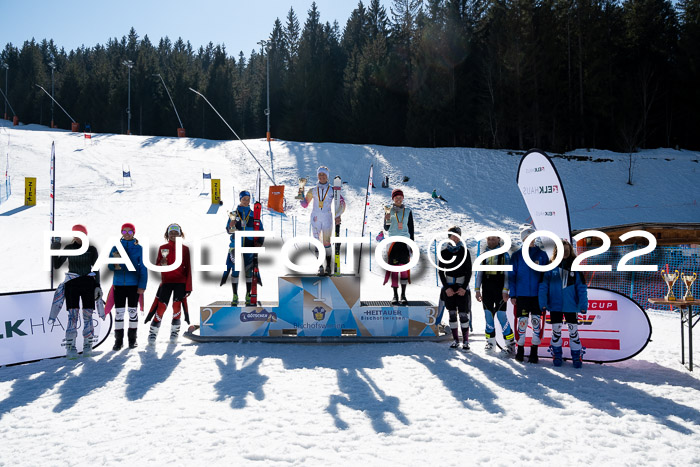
81	285
128	286
398	222
322	222
176	283
242	219
563	293
495	296
524	285
455	286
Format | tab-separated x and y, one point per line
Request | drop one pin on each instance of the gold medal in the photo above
400	222
318	196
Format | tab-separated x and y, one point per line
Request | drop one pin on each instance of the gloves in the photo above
304	203
56	245
101	310
51	321
380	236
98	293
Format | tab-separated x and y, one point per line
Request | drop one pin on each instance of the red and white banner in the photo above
614	328
25	334
543	192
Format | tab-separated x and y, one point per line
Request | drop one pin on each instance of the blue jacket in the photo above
555	297
123	276
523	281
245	222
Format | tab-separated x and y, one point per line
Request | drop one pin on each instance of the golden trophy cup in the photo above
688	280
302	184
670	279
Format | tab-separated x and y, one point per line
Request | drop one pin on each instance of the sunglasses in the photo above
174	229
127	232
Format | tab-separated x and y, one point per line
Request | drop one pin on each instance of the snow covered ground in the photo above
375	404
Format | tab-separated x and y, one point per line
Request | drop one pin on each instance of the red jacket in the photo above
183	274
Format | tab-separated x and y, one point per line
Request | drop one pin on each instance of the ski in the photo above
337	186
257	209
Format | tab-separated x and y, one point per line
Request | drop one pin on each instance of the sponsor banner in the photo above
318	306
614	328
30	191
25	334
542	190
215	190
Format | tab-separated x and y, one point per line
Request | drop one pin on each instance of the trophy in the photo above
164	254
670	279
688	280
117	267
387	209
302	184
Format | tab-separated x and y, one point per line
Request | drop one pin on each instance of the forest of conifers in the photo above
552	74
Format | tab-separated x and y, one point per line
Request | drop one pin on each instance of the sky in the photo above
237	24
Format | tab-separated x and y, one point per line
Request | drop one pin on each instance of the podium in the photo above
319	309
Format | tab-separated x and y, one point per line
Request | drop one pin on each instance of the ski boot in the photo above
534	358
174	333
321	271
131	334
234	300
152	334
247	300
118	339
395	300
465	346
403	301
454	345
71	351
490	344
87	347
520	354
510	347
557	354
577	357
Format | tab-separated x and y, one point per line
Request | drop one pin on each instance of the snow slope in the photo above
375	404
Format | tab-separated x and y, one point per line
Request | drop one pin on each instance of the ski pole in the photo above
370	251
437	283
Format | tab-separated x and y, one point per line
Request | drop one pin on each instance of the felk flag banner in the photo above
206	176
543	192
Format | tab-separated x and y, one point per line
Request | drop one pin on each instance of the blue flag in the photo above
206	176
126	174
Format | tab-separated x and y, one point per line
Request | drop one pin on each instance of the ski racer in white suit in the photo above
321	199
